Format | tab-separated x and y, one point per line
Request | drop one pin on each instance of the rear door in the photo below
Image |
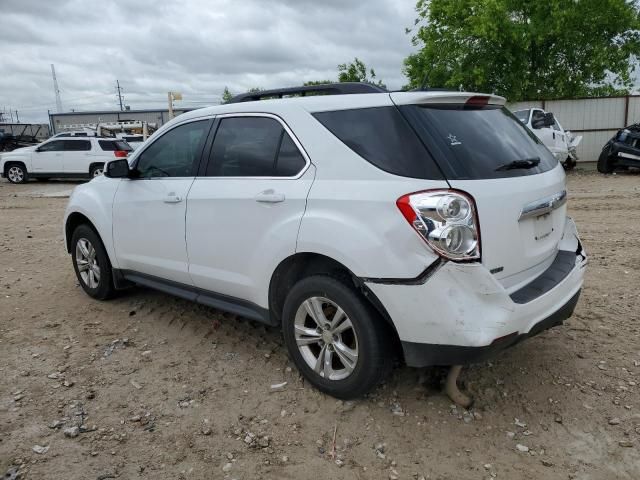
76	156
245	209
149	210
488	153
47	158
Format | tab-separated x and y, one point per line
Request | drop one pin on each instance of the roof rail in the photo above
344	88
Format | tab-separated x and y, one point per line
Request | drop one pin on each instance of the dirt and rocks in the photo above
150	386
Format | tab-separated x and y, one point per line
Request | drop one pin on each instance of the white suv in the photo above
434	222
62	157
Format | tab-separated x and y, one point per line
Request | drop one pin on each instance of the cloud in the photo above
194	46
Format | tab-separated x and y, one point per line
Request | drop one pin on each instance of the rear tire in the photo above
16	173
335	337
91	263
604	164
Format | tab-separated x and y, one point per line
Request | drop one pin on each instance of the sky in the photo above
196	47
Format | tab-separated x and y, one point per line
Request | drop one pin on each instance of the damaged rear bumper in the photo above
462	314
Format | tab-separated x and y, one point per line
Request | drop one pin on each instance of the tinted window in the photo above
55	146
253	147
536	117
175	153
473	143
382	137
112	145
290	160
77	145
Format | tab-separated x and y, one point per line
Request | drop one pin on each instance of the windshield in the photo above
522	115
474	143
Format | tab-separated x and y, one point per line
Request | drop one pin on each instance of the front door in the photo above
244	213
149	210
47	158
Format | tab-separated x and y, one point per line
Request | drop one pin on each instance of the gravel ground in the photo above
150	386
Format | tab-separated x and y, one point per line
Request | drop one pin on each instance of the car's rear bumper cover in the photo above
462	314
423	355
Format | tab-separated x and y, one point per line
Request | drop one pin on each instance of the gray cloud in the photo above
193	46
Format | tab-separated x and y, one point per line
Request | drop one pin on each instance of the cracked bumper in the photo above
462	314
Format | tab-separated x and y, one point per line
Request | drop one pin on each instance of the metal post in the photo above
170	98
626	111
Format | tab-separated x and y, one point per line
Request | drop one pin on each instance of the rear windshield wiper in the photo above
524	163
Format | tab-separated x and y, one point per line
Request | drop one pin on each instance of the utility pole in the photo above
56	90
118	88
17	117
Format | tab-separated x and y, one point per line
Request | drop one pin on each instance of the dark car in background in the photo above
622	150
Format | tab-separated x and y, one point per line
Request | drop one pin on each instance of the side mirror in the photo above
117	169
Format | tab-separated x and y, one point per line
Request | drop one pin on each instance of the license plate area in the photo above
542	226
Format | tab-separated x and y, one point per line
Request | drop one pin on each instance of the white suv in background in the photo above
62	157
428	223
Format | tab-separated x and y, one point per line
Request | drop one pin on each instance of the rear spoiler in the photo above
435	97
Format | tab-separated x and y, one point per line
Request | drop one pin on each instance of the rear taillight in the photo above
446	219
120	153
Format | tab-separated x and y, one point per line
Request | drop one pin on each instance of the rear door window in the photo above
77	145
478	142
382	137
253	147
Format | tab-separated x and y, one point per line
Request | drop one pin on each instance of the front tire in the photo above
604	164
91	263
335	338
17	173
96	171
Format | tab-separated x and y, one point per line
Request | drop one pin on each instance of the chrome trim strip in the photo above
544	205
629	155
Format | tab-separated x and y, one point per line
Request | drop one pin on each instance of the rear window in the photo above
383	137
478	142
113	145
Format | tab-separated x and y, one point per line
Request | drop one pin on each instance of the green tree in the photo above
525	49
226	95
357	71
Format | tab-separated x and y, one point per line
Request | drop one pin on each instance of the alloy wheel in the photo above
87	263
326	338
97	172
15	174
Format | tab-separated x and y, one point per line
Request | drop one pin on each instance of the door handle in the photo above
269	196
172	198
